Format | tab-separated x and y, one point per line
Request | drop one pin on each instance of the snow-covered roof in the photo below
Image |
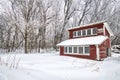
102	22
84	41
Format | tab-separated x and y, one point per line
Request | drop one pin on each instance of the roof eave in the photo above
108	28
72	28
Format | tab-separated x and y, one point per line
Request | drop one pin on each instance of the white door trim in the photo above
97	52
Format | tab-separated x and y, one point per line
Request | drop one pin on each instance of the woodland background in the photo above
33	25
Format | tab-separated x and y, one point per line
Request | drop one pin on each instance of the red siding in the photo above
61	50
100	27
102	48
107	33
70	34
91	56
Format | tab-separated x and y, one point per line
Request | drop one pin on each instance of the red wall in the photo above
106	44
102	48
61	50
91	56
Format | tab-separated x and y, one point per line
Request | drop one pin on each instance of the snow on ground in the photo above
51	66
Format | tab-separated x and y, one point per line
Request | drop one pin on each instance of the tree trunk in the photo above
25	49
43	43
39	46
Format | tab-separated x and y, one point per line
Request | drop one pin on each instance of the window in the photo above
70	49
80	50
75	33
87	50
65	49
75	49
83	32
89	32
94	30
79	33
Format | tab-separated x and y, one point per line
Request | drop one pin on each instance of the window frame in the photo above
90	32
65	49
85	49
76	33
77	50
71	49
74	49
80	33
85	32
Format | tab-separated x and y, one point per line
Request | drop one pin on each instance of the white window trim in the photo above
68	50
87	32
77	50
76	32
97	53
80	32
91	29
84	49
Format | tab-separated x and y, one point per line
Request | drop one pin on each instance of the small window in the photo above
83	32
89	32
94	30
65	49
75	33
79	33
80	50
87	50
70	49
75	49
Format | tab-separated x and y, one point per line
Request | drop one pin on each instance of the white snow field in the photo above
51	66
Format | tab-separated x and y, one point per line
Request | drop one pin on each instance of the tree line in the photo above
40	24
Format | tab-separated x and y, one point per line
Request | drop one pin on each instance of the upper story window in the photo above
75	33
85	32
89	32
79	33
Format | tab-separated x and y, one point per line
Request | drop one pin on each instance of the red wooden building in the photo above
90	41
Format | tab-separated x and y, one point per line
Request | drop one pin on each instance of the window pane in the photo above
79	33
94	30
74	33
75	49
83	32
89	32
65	49
80	50
87	50
70	49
